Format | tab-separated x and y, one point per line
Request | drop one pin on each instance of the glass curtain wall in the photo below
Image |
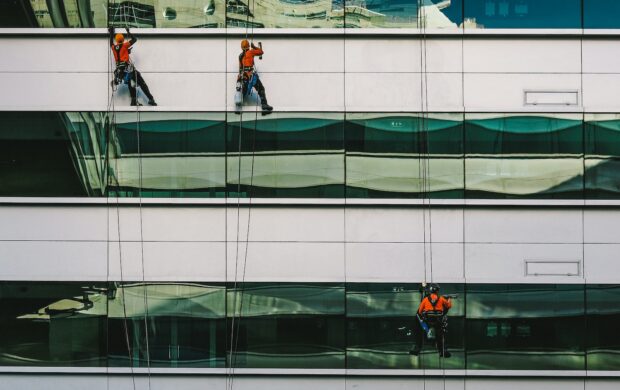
305	325
602	156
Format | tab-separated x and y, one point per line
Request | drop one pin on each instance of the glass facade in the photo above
311	155
305	325
433	14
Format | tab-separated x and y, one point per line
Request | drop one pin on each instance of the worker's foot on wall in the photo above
267	109
135	103
152	102
414	352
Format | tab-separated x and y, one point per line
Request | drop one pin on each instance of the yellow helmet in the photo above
245	44
119	38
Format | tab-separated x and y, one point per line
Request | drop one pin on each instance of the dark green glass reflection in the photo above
381	327
53	324
284	14
525	327
517	156
404	156
183	324
286	325
41	154
602	150
602	327
286	155
523	13
601	14
168	154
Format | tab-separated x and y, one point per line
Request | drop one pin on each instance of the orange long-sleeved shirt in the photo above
246	59
442	304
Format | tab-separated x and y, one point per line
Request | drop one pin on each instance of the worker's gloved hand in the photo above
253	46
127	29
111	30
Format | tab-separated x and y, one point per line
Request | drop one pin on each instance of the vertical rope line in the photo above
583	208
345	192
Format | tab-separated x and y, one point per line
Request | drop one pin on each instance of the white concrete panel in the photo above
404	383
292	55
602	226
602	384
505	263
402	55
53	223
398	92
286	262
601	56
488	91
54	54
529	383
404	225
184	223
55	381
523	226
522	55
168	261
601	92
286	224
400	262
190	91
313	92
128	217
602	263
179	55
54	91
53	260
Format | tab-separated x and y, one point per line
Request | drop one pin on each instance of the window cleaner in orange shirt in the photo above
125	70
432	319
248	77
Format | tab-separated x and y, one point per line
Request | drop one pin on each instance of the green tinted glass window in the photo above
602	159
524	156
286	325
382	328
420	14
404	156
168	154
603	323
286	155
525	327
53	324
601	14
167	325
522	14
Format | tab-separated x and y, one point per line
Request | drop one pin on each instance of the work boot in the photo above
266	108
152	102
134	102
414	352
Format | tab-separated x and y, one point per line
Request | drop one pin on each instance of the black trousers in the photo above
420	336
136	78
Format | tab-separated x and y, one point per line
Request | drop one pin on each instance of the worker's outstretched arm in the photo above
256	51
111	31
132	38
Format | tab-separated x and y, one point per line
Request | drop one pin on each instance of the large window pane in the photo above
524	156
286	155
603	324
183	324
178	155
601	13
404	156
381	326
602	163
53	324
284	13
404	13
523	14
45	154
286	325
525	327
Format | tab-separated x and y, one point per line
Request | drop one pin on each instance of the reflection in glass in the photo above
53	324
287	325
523	14
524	156
286	155
603	324
601	14
50	154
404	14
381	324
284	13
602	154
403	156
178	154
525	327
184	325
